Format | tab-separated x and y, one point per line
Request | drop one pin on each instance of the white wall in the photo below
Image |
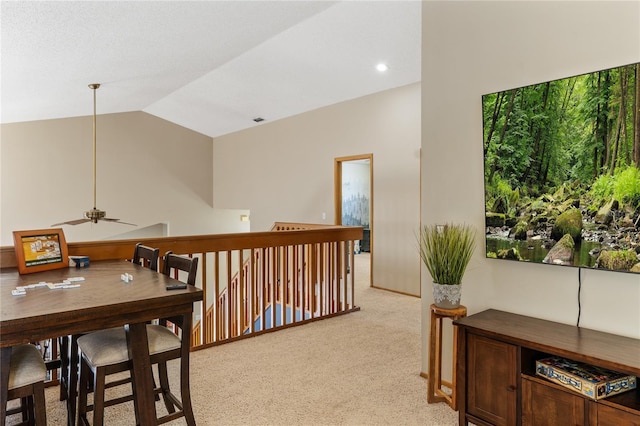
471	48
149	171
284	171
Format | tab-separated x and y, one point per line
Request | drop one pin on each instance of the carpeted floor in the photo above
361	368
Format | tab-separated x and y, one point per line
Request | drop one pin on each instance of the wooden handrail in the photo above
303	266
122	249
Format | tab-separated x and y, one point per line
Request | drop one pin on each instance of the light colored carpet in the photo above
361	368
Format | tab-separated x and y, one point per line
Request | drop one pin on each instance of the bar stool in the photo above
27	373
435	393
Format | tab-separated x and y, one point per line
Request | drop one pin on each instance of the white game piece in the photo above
54	286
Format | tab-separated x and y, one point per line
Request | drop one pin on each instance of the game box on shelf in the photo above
588	380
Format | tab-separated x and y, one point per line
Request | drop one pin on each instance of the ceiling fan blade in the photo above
72	222
108	219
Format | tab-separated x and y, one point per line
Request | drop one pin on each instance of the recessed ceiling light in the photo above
382	67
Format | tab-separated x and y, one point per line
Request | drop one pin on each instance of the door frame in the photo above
338	199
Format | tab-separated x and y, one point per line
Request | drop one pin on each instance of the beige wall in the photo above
149	171
472	48
284	171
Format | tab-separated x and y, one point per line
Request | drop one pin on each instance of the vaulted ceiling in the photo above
210	66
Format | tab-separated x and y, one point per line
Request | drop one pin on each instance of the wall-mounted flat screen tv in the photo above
562	171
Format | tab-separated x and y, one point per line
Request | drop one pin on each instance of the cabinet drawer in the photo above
545	405
609	416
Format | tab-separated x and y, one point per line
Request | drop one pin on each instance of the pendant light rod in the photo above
94	87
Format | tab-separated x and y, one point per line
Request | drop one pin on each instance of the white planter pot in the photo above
446	296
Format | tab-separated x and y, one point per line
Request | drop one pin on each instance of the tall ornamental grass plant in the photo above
446	251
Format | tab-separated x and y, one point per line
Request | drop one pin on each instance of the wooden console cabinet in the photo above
497	384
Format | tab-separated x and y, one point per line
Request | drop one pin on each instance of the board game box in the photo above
588	380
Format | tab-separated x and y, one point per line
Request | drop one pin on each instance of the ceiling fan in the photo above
95	214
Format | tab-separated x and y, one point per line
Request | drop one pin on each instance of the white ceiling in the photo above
210	66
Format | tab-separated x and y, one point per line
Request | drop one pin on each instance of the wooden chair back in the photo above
173	262
146	256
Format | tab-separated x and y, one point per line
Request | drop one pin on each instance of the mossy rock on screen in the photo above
569	222
620	260
605	213
511	254
495	219
562	252
519	232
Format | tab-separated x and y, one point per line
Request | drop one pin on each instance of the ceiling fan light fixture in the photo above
95	215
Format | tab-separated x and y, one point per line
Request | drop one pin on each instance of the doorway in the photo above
354	199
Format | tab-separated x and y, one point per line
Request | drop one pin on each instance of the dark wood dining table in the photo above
102	300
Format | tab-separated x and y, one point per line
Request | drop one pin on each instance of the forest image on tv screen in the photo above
562	171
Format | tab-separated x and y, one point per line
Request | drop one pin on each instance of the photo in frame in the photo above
40	250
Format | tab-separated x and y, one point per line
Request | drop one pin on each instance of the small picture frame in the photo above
40	250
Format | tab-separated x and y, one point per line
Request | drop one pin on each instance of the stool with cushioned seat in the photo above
27	373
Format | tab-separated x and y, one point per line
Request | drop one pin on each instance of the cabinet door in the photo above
491	380
608	416
543	405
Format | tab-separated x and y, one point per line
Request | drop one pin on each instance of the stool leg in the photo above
72	377
185	391
63	343
164	386
5	360
39	404
26	407
98	396
454	402
83	386
438	376
431	383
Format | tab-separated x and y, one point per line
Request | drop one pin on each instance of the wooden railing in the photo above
252	281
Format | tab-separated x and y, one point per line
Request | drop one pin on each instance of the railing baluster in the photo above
303	283
216	306
273	284
344	254
323	278
230	291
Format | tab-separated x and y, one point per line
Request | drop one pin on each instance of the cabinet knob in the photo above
511	388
